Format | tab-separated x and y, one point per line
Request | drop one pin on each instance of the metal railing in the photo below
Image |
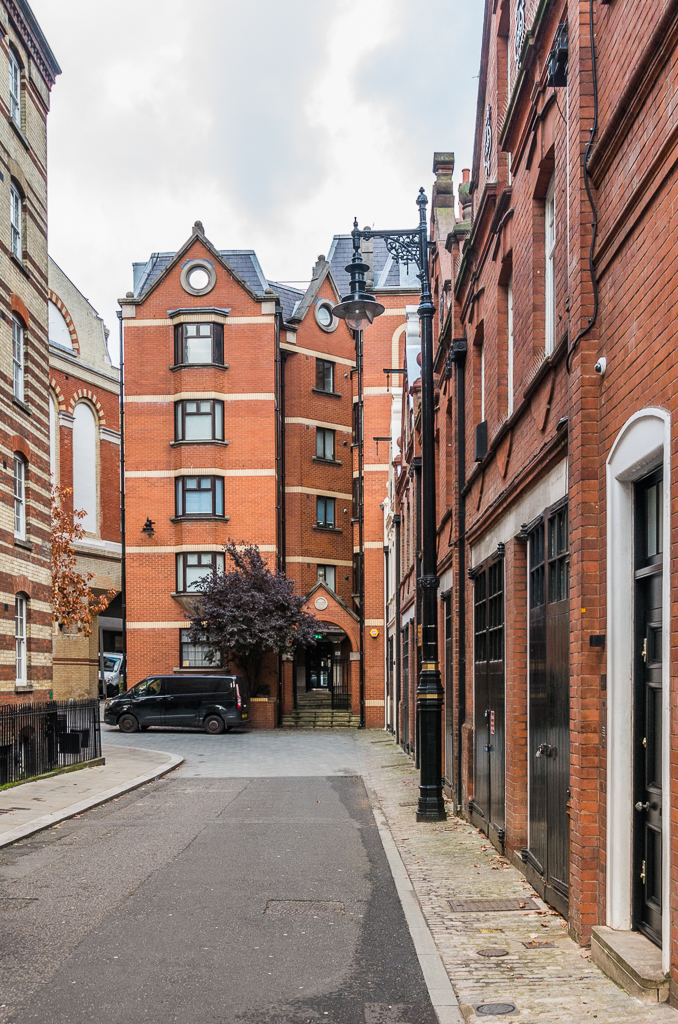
40	738
341	694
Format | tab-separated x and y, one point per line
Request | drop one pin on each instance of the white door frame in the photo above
643	444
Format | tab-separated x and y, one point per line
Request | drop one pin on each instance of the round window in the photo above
198	278
325	317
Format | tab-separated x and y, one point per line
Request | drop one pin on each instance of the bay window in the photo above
198	344
199	495
201	420
194	566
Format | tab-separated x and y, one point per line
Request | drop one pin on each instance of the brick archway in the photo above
86	395
68	318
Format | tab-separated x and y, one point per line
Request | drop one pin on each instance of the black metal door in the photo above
319	667
647	832
488	804
405	684
449	692
549	705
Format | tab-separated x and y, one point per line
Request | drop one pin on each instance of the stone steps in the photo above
327	718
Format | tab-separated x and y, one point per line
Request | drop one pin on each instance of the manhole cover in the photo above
539	945
495	1009
492	951
315	908
478	906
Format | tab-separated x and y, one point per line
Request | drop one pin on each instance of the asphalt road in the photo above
212	899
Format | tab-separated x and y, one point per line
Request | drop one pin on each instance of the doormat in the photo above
469	905
316	908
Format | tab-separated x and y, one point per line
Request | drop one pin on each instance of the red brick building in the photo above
556	364
239	423
28	70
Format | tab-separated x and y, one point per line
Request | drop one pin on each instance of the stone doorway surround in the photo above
643	444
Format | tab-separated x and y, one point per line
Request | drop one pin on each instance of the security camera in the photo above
601	366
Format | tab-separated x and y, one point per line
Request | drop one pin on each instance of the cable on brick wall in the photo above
587	185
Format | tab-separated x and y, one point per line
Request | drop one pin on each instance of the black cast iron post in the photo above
412	247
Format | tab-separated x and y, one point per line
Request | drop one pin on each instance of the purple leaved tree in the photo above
243	614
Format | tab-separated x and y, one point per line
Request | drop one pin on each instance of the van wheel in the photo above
128	723
214	725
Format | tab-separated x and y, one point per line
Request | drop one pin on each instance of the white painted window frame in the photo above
19	498
18	360
20	646
509	349
14	90
550	268
16	219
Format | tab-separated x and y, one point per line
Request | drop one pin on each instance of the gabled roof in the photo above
242	264
289	297
322	271
321	585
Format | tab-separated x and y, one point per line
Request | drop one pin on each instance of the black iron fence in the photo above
341	694
39	738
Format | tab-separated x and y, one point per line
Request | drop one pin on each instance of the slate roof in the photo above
243	261
387	273
289	297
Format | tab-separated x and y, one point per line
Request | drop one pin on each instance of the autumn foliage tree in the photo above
243	614
74	603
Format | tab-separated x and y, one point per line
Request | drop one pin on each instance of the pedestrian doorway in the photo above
487	808
647	711
547	852
327	669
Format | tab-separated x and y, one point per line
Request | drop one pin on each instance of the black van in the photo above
214	703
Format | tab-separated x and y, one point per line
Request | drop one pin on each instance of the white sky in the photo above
275	123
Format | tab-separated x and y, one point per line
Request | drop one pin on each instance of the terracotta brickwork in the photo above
24	382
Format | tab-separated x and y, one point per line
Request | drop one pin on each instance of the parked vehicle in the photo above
215	703
113	675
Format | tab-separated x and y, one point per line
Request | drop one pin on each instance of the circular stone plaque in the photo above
321	603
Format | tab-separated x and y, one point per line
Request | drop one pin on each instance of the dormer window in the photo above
14	90
198	344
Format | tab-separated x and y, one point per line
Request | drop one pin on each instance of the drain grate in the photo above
539	945
293	908
469	905
495	1009
492	951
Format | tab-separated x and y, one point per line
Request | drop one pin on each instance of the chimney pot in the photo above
465	174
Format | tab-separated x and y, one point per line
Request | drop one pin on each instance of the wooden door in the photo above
488	804
549	704
648	759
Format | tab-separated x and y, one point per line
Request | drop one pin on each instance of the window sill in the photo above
24	406
330	394
18	132
327	529
19	542
326	462
19	264
199	366
201	440
199	518
23	688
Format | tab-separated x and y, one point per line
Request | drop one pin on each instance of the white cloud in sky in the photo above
273	123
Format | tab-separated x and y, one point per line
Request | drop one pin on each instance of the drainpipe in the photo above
123	558
459	358
387	690
281	540
396	520
361	498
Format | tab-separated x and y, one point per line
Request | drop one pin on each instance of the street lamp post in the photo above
359	309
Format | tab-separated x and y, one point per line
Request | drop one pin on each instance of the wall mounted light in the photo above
147	528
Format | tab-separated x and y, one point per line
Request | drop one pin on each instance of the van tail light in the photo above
238	698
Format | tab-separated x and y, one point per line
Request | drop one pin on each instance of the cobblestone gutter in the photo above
553	984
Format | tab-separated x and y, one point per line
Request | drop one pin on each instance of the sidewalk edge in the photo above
440	990
47	820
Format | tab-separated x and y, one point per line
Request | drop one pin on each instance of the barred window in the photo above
196	655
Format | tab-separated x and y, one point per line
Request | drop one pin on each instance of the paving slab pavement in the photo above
33	806
558	985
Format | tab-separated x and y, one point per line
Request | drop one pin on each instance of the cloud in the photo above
273	123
